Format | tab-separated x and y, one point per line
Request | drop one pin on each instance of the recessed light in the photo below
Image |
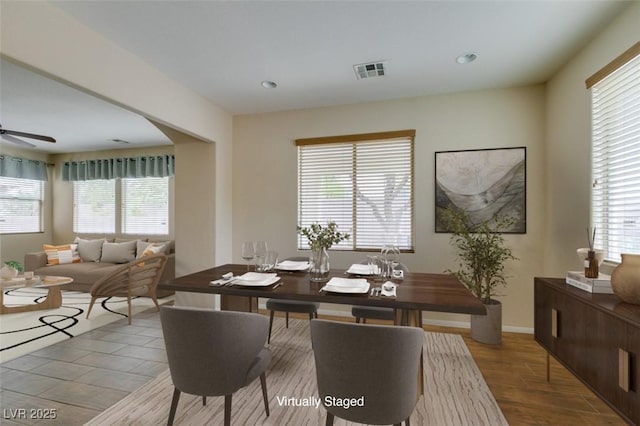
466	58
268	84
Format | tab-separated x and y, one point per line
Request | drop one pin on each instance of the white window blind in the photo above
94	206
145	206
20	205
366	187
616	160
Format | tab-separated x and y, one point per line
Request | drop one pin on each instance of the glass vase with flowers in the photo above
320	239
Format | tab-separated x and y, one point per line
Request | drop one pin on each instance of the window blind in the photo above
20	205
94	206
366	187
616	160
145	206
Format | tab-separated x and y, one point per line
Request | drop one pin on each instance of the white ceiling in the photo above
79	122
223	50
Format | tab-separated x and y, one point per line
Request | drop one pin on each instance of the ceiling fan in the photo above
9	135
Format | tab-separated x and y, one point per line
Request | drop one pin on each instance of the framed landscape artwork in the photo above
483	182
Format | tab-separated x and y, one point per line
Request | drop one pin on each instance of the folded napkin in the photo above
360	269
389	289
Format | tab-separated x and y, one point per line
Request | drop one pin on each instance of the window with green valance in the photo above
23	168
114	168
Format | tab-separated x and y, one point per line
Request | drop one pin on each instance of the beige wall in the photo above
14	246
265	171
42	37
568	139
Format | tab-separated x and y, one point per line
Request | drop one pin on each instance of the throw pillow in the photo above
168	246
118	252
58	255
143	246
89	250
151	248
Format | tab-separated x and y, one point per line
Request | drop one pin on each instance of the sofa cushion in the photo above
82	273
118	252
58	255
126	240
90	250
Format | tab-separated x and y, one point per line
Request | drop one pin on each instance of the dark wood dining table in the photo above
416	292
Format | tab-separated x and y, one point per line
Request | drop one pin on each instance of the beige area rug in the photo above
455	391
25	332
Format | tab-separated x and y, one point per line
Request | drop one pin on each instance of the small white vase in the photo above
7	272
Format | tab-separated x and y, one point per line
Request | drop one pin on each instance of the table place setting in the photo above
250	279
293	265
363	269
346	285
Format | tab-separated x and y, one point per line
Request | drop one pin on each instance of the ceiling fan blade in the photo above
17	141
28	135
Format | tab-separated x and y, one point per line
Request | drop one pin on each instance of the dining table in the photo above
415	292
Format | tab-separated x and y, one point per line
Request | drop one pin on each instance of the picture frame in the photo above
483	183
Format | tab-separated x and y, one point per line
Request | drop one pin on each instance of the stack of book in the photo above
602	284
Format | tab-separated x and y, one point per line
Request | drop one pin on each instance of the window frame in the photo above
601	147
39	202
119	225
354	140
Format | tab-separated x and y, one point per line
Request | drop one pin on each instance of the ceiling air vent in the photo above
371	69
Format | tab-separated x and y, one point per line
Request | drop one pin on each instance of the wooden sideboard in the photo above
596	337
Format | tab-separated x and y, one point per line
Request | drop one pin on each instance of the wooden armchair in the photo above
139	277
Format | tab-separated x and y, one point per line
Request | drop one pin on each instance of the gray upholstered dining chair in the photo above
140	277
377	365
214	353
376	312
286	306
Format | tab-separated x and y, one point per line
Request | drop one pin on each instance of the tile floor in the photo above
76	379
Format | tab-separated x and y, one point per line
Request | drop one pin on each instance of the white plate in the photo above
346	285
256	279
291	265
360	269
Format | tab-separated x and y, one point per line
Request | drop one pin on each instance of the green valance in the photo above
23	168
113	168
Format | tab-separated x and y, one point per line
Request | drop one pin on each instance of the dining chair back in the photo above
287	306
374	367
140	277
214	353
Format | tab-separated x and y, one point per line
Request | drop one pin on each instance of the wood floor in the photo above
516	374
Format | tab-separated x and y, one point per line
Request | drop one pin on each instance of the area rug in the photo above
25	332
455	391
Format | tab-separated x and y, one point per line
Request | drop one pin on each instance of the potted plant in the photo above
321	238
482	252
11	269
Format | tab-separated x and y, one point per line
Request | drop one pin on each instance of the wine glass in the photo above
391	255
260	253
248	252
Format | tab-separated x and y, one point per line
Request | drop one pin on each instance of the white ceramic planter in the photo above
488	328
